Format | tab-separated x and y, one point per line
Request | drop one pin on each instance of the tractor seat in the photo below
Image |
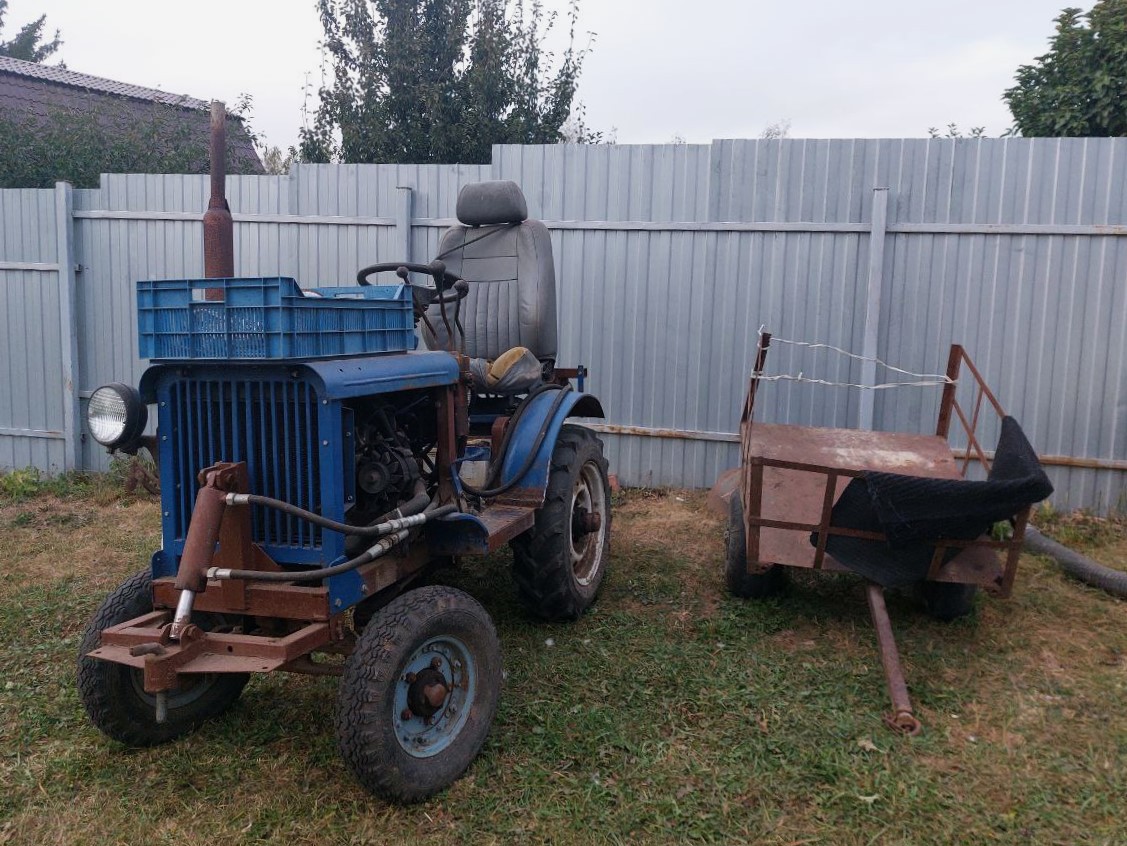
507	259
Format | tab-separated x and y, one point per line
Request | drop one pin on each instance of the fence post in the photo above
403	213
68	316
872	305
293	206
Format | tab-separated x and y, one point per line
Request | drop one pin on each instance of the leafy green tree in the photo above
1077	88
28	44
276	161
441	81
76	146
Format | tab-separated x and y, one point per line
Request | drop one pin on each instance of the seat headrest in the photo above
499	201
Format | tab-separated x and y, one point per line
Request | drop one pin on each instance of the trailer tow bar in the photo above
901	719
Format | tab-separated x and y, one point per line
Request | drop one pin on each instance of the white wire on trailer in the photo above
927	380
801	378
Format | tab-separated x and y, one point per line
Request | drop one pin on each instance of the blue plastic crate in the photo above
270	318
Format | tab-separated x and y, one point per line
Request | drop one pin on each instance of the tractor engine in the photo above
392	445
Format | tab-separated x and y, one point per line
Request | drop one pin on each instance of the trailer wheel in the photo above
114	695
741	583
947	601
559	563
419	693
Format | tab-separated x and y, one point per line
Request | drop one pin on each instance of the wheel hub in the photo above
427	693
584	522
588	523
434	696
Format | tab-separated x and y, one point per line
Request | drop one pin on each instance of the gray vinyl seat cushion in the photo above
507	260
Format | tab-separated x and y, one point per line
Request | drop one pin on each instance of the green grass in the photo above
671	713
22	485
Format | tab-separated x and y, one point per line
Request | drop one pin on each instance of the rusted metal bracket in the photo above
901	719
144	643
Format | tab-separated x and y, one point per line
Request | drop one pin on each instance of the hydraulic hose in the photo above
1077	565
395	532
413	506
487	492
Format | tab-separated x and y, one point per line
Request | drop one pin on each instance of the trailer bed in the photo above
793	495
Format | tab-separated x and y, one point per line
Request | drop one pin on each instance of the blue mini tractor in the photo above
315	468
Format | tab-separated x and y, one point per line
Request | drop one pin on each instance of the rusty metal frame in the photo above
302	614
753	522
949	403
902	718
144	644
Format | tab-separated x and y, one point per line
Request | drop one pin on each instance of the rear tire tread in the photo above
740	582
948	601
541	563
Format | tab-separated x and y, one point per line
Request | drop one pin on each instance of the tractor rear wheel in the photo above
114	695
419	693
741	583
560	562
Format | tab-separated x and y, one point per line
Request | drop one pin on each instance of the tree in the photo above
28	44
1076	89
776	131
76	146
953	131
440	81
275	160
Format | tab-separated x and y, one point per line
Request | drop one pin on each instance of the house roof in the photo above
63	76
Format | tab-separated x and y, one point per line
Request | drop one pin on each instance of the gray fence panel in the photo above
32	424
669	259
1043	314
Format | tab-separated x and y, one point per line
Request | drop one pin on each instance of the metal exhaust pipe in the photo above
218	228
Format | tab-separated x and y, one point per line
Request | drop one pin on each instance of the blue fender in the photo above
530	490
469	534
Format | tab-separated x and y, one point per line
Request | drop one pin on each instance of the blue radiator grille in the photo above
272	425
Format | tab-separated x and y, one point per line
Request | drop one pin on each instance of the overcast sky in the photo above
697	69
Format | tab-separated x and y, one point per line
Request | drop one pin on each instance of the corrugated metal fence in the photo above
669	258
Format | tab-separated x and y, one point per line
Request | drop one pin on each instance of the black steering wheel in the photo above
448	287
443	278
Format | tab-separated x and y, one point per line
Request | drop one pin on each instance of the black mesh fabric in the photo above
913	511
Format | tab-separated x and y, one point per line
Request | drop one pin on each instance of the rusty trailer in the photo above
791	478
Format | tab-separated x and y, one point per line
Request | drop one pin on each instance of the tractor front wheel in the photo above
560	562
114	695
419	693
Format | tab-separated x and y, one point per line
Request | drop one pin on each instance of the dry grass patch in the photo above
1104	539
49	538
652	526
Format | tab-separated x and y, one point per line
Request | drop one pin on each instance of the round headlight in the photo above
116	415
